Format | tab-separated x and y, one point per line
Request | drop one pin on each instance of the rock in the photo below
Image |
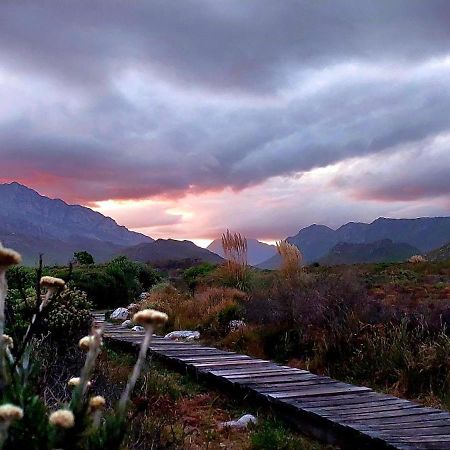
138	328
183	334
143	296
127	324
243	422
234	325
119	314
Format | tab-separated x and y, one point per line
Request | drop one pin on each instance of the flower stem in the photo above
136	370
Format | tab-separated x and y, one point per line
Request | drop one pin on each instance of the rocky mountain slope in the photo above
33	224
373	252
315	241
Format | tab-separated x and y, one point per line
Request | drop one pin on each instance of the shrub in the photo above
194	274
68	316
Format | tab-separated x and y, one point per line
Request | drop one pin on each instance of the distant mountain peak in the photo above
422	233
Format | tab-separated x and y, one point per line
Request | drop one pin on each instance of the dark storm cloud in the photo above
168	97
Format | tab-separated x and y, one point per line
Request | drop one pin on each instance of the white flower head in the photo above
8	257
150	317
9	412
97	402
75	381
62	418
8	341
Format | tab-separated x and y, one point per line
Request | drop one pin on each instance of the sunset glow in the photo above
244	130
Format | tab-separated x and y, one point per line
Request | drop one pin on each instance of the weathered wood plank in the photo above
327	409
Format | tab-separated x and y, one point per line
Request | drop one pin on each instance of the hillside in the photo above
257	251
169	249
315	241
439	254
33	224
374	252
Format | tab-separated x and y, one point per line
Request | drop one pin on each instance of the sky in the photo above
182	119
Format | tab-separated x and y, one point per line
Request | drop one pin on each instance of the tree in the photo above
83	258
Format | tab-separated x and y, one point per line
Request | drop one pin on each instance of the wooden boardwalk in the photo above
329	410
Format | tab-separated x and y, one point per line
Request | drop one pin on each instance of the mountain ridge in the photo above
169	249
315	241
384	250
33	223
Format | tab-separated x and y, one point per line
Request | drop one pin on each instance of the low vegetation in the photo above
381	325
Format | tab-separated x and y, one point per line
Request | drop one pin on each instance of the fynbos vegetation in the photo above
25	420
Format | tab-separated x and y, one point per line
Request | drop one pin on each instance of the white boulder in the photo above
127	324
183	334
243	422
138	328
119	314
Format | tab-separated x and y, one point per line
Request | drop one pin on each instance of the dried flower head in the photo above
9	257
97	402
8	341
417	259
86	343
9	412
148	317
52	282
75	381
63	418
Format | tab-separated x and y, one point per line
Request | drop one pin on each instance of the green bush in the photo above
116	283
68	316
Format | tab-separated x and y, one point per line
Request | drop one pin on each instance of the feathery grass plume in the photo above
8	414
8	258
235	251
149	319
291	259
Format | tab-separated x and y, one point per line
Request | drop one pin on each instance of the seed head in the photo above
97	402
86	342
8	257
8	341
62	418
9	412
75	381
148	317
52	282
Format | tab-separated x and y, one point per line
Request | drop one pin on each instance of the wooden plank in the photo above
317	392
267	388
240	363
327	408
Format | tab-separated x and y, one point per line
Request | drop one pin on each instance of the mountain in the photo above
257	251
439	254
316	241
379	251
169	249
33	224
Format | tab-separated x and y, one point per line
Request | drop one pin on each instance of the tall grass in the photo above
236	266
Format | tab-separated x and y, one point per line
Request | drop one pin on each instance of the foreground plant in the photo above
24	418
